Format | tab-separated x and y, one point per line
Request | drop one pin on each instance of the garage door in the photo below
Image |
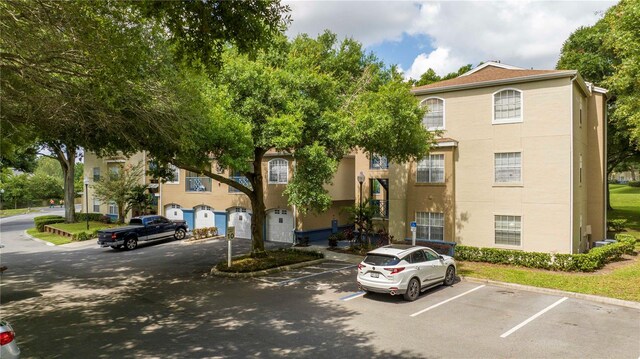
173	211
240	218
205	218
280	226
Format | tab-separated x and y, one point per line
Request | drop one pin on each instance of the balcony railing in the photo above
197	184
242	180
380	208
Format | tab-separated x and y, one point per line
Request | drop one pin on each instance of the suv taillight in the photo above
6	337
395	270
360	266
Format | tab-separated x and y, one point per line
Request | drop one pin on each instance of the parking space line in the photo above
353	296
313	275
512	330
446	301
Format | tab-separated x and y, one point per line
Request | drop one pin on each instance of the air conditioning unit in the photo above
587	229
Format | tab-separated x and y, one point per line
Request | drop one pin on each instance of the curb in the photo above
218	273
588	297
37	239
188	242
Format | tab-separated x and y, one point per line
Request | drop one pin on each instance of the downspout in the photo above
571	165
605	164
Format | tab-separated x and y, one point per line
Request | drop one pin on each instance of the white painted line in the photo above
353	296
313	275
533	317
446	301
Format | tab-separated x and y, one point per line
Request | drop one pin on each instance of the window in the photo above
195	183
431	169
581	112
431	255
508	167
96	205
96	174
417	257
237	176
375	186
175	206
507	106
378	162
175	175
581	168
113	208
114	171
430	226
508	230
434	118
278	171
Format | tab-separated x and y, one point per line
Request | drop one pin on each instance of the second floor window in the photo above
378	162
507	106
508	167
434	118
278	171
196	183
96	174
175	172
431	169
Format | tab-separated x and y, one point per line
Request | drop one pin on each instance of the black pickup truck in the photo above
144	228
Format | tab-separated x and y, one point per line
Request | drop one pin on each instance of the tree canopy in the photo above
430	76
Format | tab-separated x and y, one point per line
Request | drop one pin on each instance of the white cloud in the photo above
521	33
439	60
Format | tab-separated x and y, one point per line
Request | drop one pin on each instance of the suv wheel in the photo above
450	277
130	243
180	234
413	290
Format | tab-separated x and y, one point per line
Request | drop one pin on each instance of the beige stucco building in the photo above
519	163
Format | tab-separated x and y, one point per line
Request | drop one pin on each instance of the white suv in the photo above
404	269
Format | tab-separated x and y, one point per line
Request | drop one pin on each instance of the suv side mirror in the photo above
441	257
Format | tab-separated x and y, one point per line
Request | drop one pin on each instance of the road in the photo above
158	301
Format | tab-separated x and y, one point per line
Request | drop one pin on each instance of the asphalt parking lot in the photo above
473	320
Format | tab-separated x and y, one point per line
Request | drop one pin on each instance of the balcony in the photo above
380	208
242	180
197	184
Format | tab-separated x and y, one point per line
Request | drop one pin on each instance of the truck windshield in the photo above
135	221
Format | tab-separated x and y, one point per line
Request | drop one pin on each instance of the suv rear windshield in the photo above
381	260
135	221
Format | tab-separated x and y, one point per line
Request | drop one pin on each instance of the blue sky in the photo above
445	35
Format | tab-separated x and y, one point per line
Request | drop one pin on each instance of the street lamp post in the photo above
86	199
361	181
1	197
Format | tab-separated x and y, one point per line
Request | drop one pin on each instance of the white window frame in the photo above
426	164
424	103
430	224
96	204
495	168
279	164
176	177
113	208
507	120
508	218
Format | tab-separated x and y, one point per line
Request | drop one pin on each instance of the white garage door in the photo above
173	211
280	226
205	218
241	219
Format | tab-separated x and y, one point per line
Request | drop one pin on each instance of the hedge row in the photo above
95	217
595	259
42	221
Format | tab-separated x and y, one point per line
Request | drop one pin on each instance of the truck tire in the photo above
180	234
130	243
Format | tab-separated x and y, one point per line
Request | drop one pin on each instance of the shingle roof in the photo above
488	74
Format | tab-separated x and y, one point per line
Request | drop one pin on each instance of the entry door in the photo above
280	226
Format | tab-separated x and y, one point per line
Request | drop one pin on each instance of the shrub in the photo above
200	233
616	225
46	221
634	183
95	217
83	236
334	238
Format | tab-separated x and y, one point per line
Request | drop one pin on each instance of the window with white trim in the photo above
508	167
96	205
507	106
278	171
113	208
434	118
175	175
508	230
431	169
96	174
430	226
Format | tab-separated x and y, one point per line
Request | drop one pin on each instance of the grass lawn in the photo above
13	212
275	258
68	227
617	280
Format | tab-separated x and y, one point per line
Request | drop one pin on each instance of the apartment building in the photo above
519	163
204	202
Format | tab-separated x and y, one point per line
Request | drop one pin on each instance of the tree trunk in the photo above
258	207
121	212
67	162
